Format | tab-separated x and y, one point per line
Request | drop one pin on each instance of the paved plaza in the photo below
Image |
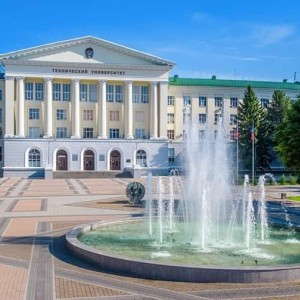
34	264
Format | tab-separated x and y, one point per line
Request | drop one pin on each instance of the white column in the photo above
21	107
128	111
102	109
9	121
75	109
163	109
48	111
153	114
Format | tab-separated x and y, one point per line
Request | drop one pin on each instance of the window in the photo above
217	118
202	101
88	115
186	100
34	132
170	118
61	132
114	93
1	153
34	91
140	133
1	95
202	118
141	158
114	133
264	102
171	154
92	92
61	91
83	90
233	102
61	114
0	115
170	134
233	119
171	100
88	92
87	133
114	115
34	158
201	134
139	116
34	113
140	94
218	101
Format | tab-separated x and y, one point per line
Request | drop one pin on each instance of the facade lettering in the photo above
85	71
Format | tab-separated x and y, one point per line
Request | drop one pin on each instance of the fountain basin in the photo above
149	269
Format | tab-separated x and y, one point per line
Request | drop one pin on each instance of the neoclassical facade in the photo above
91	105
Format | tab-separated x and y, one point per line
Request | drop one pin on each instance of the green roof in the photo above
234	83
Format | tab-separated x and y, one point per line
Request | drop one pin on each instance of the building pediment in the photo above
86	51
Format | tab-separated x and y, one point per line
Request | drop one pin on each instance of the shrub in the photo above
292	180
282	180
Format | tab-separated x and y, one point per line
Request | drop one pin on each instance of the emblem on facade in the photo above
89	52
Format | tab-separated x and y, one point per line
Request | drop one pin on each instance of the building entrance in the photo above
62	160
115	160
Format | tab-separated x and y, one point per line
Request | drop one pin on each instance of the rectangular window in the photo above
218	101
170	118
61	132
34	132
139	116
217	118
170	134
264	102
88	115
145	94
87	133
56	90
92	93
119	93
233	102
1	95
233	119
135	94
28	91
171	154
186	100
110	93
202	118
66	92
83	90
114	116
171	100
34	113
39	91
202	101
61	114
139	133
114	133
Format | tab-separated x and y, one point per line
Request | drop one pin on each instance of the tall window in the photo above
170	118
139	116
34	158
114	115
140	94
61	132
218	101
141	158
34	132
87	133
114	93
88	115
139	133
28	90
66	92
171	154
34	91
170	134
56	91
92	92
114	133
233	119
171	100
39	91
233	102
202	101
61	91
186	100
34	113
264	102
144	94
61	114
83	92
202	118
217	118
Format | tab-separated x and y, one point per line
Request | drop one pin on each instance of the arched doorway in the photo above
89	160
61	160
115	160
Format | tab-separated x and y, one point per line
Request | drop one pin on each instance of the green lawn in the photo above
295	198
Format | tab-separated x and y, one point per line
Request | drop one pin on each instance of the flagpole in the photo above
237	152
253	141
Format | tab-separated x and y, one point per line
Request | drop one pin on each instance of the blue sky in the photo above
237	39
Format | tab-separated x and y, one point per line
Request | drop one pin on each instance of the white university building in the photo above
88	105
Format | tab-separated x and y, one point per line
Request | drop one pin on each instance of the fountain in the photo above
197	228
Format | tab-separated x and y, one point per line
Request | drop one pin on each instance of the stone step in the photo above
91	174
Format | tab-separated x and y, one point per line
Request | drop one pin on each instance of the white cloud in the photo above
247	58
199	16
271	34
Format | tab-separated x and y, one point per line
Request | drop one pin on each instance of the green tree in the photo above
251	112
288	138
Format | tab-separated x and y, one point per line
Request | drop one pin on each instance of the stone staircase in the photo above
91	174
